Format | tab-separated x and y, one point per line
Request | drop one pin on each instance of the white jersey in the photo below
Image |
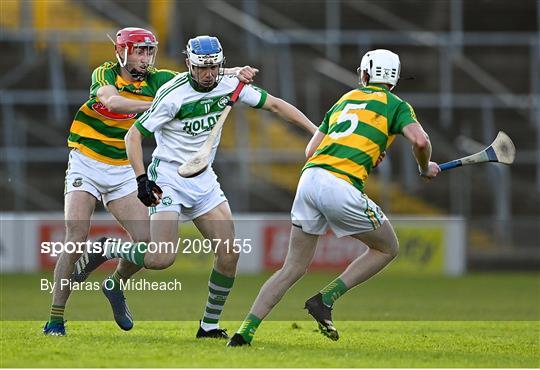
181	117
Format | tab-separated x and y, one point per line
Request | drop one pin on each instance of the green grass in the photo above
277	344
394	320
388	296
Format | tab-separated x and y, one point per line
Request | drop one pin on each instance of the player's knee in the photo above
158	265
76	232
388	245
227	261
158	262
393	249
140	237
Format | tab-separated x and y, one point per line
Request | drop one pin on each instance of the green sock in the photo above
113	281
132	252
248	327
333	291
219	287
57	314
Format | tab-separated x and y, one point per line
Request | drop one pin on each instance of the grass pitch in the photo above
480	320
277	344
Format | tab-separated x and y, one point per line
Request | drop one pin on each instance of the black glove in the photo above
147	190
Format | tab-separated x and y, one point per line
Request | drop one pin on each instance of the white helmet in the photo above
204	51
382	65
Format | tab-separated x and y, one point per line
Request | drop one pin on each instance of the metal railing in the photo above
273	47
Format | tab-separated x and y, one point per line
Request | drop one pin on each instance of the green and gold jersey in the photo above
99	133
358	128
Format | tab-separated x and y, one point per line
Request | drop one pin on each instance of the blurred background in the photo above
475	66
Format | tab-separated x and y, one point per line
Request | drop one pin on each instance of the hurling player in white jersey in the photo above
181	117
98	168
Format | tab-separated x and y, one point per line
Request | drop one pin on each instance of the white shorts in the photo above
324	200
189	197
104	181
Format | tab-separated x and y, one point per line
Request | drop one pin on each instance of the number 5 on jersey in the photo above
347	115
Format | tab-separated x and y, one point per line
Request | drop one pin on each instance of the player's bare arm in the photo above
134	150
147	190
109	96
289	113
421	147
314	143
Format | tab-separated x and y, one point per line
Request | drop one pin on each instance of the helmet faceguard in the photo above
382	66
203	52
128	41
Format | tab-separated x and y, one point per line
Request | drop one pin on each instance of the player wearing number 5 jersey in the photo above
357	130
352	136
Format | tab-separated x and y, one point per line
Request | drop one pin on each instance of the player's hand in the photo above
148	192
431	172
246	74
380	159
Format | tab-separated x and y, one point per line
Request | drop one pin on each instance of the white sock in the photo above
110	247
207	327
107	249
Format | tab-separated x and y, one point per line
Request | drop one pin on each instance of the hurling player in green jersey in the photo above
98	168
330	194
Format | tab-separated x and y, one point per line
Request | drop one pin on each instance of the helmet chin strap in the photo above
137	75
133	72
120	61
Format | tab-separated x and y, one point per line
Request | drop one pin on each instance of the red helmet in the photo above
132	37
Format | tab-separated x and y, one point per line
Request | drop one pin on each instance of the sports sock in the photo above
333	291
248	327
132	252
113	281
57	314
219	287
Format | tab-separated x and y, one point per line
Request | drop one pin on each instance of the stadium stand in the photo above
469	81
